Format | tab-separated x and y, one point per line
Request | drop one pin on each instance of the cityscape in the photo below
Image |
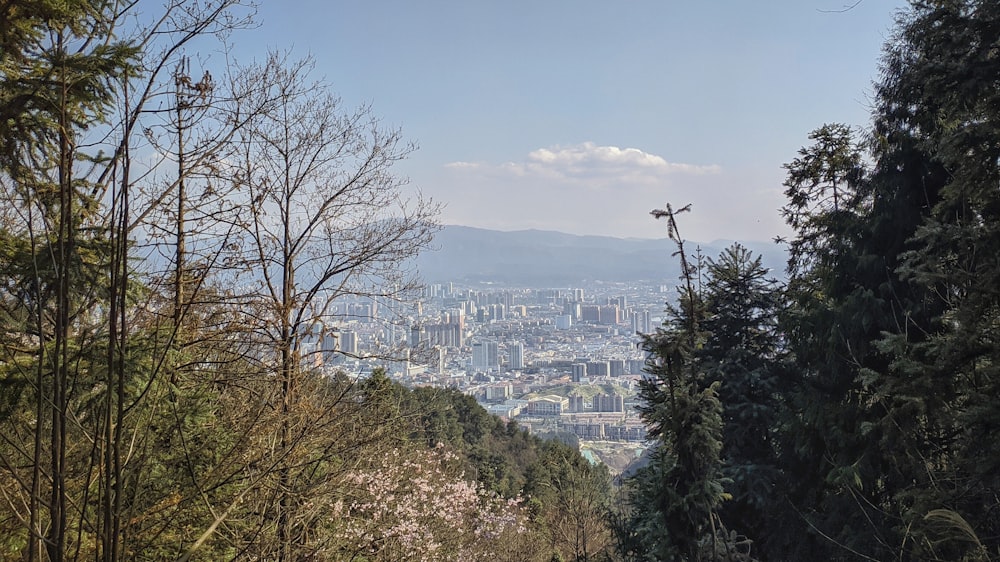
558	361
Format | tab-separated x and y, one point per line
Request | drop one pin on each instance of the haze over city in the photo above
581	117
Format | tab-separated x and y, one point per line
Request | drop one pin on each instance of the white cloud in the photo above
592	165
463	165
591	189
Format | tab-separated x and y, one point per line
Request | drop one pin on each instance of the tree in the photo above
413	505
324	218
743	353
570	497
96	438
676	498
61	68
938	106
841	295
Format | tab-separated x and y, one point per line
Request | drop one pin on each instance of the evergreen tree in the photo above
880	405
841	297
675	499
742	353
939	104
61	68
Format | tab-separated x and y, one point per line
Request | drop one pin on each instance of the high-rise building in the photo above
363	312
636	366
516	350
641	322
616	367
349	342
333	345
579	372
417	335
597	369
506	299
572	309
440	359
485	355
329	346
609	315
608	403
590	313
456	317
498	312
446	335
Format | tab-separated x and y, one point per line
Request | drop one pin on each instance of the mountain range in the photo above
540	258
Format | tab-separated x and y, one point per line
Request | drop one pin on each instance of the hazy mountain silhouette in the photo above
534	258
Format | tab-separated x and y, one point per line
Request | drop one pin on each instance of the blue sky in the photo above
582	116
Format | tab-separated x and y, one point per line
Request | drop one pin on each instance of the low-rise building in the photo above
550	405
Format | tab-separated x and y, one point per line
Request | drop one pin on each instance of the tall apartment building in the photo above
609	403
590	313
349	342
445	335
598	369
579	372
485	355
516	351
616	367
636	366
572	308
641	322
417	335
333	345
608	314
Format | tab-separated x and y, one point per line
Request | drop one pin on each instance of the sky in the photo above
582	116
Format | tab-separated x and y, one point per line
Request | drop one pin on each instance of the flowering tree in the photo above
416	506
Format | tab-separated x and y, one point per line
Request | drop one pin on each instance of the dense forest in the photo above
851	413
171	239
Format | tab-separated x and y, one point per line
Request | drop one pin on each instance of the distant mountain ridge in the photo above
542	258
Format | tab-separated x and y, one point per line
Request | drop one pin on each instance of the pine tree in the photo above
61	69
676	498
938	103
742	353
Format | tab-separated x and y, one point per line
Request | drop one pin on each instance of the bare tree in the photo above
322	217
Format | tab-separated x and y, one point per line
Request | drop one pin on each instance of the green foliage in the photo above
571	497
674	501
852	415
939	101
742	353
842	294
892	310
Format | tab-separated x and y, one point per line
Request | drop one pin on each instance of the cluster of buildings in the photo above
525	354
